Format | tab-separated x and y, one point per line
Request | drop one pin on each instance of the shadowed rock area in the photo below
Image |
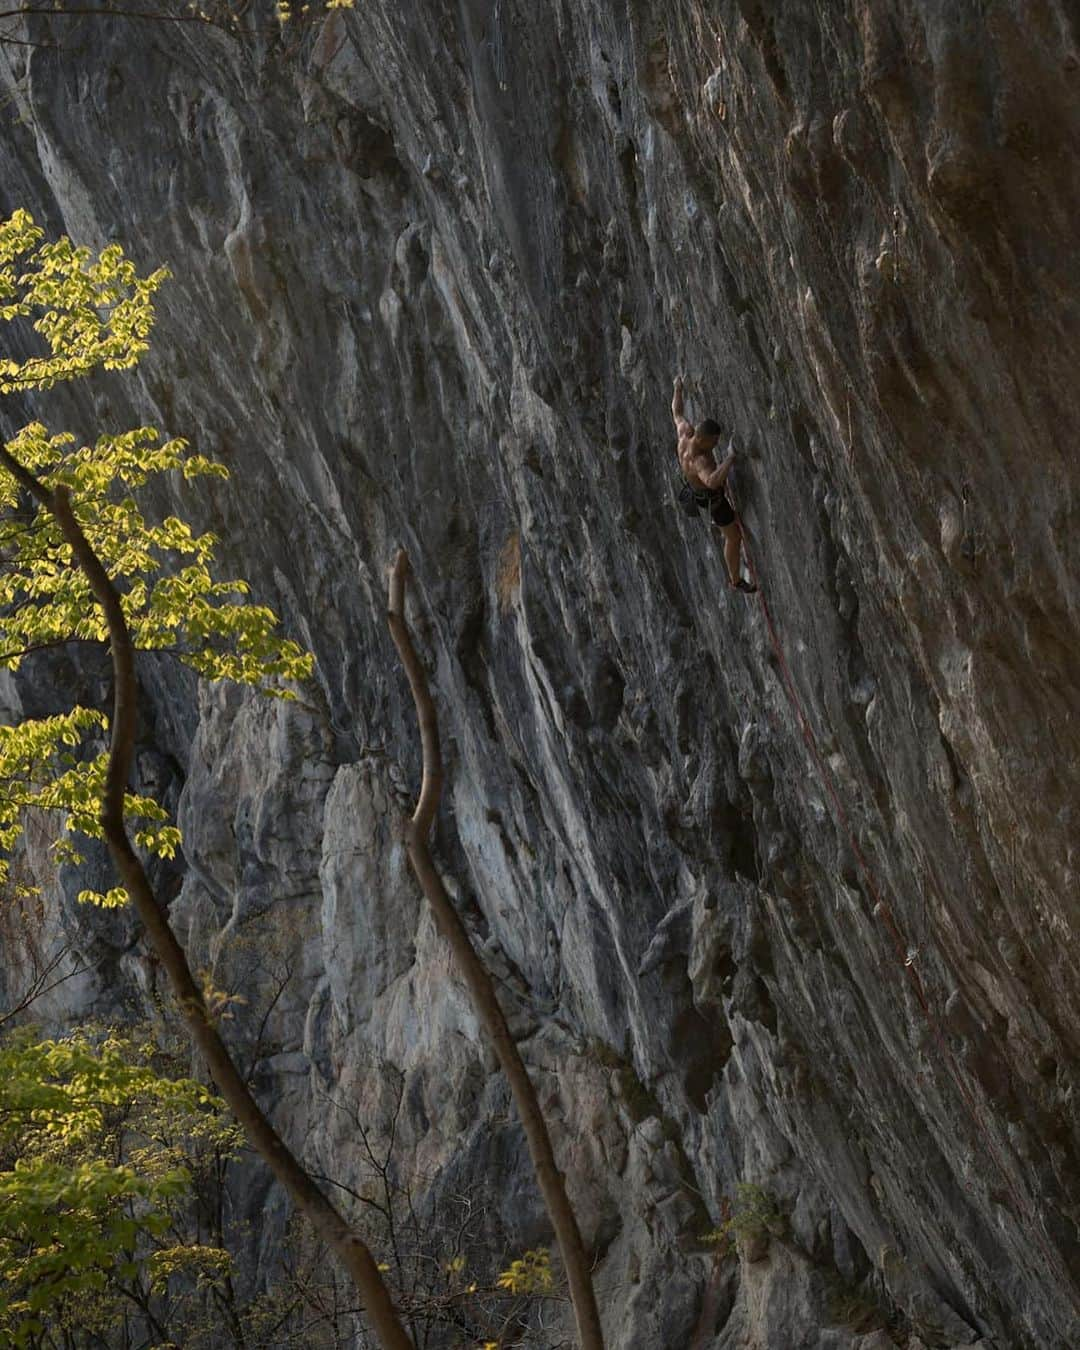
434	268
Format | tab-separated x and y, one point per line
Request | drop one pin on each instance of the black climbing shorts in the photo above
720	510
693	500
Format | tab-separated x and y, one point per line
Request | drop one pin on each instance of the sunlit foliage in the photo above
95	311
529	1274
97	1153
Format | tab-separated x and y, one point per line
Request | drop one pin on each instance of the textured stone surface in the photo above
434	267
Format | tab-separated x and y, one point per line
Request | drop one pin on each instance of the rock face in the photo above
434	268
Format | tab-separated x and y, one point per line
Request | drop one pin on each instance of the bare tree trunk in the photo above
322	1215
478	980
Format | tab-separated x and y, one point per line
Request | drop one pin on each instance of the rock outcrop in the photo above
434	269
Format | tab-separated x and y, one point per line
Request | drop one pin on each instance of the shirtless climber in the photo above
705	479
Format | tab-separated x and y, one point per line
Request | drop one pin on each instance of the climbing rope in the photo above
883	910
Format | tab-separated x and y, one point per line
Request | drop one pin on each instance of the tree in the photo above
84	565
115	1182
457	1279
99	1151
478	981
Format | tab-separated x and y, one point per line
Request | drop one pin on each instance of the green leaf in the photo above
96	311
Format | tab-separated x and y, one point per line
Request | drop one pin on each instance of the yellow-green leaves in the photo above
96	1150
91	310
286	10
529	1274
62	1090
204	1265
39	770
171	600
95	310
31	759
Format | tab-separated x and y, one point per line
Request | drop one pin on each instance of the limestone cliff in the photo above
435	266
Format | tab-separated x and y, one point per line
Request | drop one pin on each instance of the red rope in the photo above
884	911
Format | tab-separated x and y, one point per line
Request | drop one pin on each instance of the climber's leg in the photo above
732	549
725	521
733	556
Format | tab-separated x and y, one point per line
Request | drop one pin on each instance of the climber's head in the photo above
706	434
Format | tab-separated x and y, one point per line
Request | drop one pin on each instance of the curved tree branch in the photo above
431	781
478	980
307	1196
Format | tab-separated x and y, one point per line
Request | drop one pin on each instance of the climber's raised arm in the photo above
682	426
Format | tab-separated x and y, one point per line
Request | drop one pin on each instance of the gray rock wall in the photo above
434	268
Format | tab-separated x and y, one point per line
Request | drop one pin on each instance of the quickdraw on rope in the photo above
883	910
